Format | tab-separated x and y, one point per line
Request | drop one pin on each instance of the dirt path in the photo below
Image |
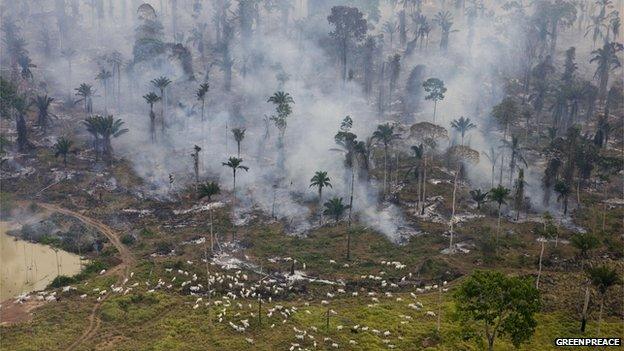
122	270
20	312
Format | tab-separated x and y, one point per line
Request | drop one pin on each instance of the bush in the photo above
164	247
128	239
62	280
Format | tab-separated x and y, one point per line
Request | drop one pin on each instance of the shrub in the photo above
128	239
62	280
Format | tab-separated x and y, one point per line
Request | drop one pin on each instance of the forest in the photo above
313	174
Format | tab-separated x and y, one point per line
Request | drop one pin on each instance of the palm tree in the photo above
63	148
462	125
91	123
161	83
516	154
68	54
86	92
564	190
390	28
445	20
43	104
320	180
109	127
21	106
104	76
607	60
385	134
519	187
499	195
602	278
492	156
207	190
239	135
335	208
479	197
235	163
418	151
201	96
151	98
545	232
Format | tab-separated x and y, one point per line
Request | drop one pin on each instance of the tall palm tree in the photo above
518	197
104	77
68	54
239	135
390	27
85	92
21	106
282	102
563	190
235	163
462	125
201	96
607	61
208	190
63	148
335	208
91	123
385	134
43	104
499	195
445	20
418	151
195	156
603	278
151	98
161	84
516	155
492	156
479	197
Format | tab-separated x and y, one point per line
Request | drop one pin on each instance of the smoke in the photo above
475	69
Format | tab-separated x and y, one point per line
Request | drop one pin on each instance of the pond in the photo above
26	266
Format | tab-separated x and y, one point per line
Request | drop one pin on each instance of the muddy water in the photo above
26	267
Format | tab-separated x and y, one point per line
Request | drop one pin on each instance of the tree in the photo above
585	243
68	54
462	125
283	109
504	306
208	190
235	163
195	157
558	12
43	117
545	232
201	96
492	156
444	19
607	60
335	208
479	197
104	76
385	134
108	127
349	28
91	124
86	92
602	278
161	83
320	180
518	197
499	195
516	154
21	106
435	89
63	148
390	27
151	98
239	135
563	189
